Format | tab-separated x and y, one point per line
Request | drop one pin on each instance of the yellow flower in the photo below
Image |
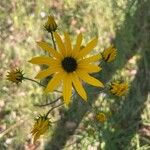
101	117
50	25
109	54
15	76
69	66
41	125
119	89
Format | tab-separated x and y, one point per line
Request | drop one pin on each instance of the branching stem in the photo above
53	40
26	78
43	105
53	108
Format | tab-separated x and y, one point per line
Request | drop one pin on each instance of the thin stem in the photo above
96	92
53	108
49	103
57	91
26	78
34	81
100	63
53	40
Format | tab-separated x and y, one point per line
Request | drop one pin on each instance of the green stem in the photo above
53	108
53	40
101	63
34	81
26	78
49	103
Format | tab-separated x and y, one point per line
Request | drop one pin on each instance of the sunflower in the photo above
15	76
101	117
41	125
69	66
109	54
119	89
50	25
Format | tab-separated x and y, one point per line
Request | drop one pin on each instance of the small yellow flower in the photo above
15	76
119	89
41	125
101	117
50	25
69	65
109	54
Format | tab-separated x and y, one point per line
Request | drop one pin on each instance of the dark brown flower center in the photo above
69	64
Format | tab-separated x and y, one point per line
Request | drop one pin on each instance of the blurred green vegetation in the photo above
124	23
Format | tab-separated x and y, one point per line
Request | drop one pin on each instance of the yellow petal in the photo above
45	124
44	127
34	130
91	59
54	82
89	68
36	136
60	44
67	89
90	80
78	45
47	72
67	43
45	46
43	60
109	54
88	48
78	86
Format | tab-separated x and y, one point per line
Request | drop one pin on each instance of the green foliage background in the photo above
124	23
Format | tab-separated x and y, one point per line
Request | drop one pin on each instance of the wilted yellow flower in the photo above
101	117
50	25
41	125
15	76
119	89
69	66
109	54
